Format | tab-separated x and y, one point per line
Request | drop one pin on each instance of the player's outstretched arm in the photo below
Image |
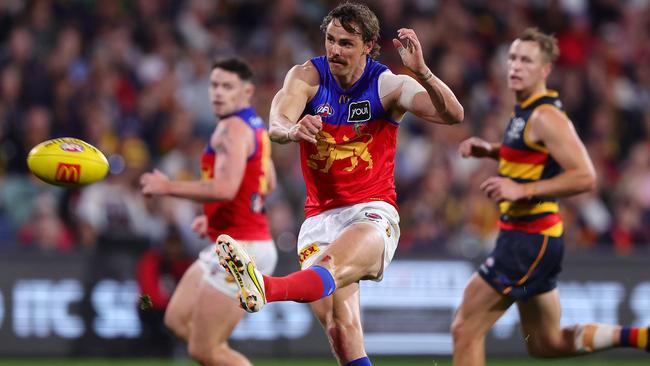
231	142
479	148
436	102
285	122
272	177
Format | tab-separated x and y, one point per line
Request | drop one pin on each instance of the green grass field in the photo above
377	361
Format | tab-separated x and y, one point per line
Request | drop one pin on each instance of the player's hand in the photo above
200	226
154	183
475	147
306	129
502	189
410	50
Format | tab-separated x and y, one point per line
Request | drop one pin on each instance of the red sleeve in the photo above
148	275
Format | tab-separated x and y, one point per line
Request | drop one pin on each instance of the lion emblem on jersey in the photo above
330	150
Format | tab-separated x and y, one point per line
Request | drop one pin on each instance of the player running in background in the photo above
237	175
540	158
344	109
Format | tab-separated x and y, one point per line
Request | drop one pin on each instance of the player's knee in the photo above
174	322
544	347
460	330
207	355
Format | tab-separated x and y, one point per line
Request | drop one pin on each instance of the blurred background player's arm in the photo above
285	124
232	142
479	148
551	129
272	177
555	131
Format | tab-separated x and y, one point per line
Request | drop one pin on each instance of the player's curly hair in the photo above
358	19
547	43
235	65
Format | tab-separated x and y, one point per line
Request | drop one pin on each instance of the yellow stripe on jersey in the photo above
516	209
530	100
554	231
520	170
642	338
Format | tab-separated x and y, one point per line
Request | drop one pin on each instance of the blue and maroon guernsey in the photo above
243	218
354	159
526	161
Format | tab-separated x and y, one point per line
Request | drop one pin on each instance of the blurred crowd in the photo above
131	77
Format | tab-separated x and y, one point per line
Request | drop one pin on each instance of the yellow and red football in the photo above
67	162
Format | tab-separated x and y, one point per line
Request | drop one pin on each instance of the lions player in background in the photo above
540	158
344	109
237	175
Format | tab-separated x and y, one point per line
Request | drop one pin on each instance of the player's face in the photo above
345	51
527	68
228	93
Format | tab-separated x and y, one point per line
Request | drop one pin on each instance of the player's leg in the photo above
178	315
364	239
215	317
540	322
357	253
481	307
341	320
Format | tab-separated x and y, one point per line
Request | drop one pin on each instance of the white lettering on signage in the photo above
432	285
41	308
640	303
115	304
278	320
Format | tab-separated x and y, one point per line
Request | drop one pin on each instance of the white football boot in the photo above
233	257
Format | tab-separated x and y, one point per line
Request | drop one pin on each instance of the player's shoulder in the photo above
550	119
232	121
549	113
306	72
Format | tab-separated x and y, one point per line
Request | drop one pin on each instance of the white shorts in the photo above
317	232
262	252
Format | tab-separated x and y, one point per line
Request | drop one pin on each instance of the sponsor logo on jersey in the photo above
516	127
372	216
67	173
359	111
325	110
71	147
307	252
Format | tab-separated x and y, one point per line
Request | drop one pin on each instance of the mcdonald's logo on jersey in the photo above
67	173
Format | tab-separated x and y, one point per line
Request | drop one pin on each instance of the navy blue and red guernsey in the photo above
526	161
354	159
243	218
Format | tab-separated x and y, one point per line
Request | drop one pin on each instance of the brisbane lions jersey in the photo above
526	161
243	218
354	158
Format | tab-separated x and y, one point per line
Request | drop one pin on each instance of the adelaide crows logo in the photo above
325	110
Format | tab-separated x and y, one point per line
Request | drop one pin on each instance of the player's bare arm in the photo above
552	129
285	122
430	99
478	148
232	142
200	226
272	177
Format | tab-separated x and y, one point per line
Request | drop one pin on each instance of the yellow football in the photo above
67	162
